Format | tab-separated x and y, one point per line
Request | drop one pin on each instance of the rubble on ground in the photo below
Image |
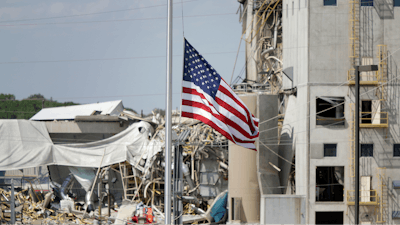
205	174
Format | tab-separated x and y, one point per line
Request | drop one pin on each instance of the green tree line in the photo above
10	108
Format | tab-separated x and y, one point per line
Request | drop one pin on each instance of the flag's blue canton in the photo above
198	71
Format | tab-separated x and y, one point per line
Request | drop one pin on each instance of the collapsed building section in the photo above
262	36
114	178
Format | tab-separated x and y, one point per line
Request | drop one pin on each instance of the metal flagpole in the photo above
168	111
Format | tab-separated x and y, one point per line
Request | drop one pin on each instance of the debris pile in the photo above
133	191
31	206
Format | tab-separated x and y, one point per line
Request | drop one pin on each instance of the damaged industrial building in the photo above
99	162
107	163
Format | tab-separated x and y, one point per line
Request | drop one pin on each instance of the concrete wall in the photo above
385	31
295	40
295	23
316	44
328	42
320	135
267	148
283	209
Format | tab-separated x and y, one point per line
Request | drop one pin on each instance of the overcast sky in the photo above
114	50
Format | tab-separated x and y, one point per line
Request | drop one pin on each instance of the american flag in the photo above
208	98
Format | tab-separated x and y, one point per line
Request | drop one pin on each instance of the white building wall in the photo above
316	45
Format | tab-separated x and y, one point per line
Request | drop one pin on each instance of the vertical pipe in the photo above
12	203
180	185
108	202
249	51
107	178
357	145
100	196
167	185
174	185
178	209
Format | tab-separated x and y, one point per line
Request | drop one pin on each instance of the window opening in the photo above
367	2
396	150
371	112
330	3
329	184
330	110
367	150
329	217
396	3
366	111
330	150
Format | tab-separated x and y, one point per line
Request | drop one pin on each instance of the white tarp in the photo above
27	144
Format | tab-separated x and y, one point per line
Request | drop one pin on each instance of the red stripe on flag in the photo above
195	92
221	118
224	105
210	123
229	94
235	112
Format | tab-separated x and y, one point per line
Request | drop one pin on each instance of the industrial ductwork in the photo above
66	185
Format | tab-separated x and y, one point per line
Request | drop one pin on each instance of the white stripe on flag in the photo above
225	113
227	87
207	115
221	110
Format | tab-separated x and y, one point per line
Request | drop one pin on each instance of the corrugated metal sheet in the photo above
23	172
113	108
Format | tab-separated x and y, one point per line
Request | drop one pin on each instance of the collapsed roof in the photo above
112	108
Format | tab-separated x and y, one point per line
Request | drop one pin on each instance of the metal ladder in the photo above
382	213
129	180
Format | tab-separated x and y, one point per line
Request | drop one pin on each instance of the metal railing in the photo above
366	197
366	78
374	119
246	87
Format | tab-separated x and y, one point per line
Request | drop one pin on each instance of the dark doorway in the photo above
366	111
328	217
